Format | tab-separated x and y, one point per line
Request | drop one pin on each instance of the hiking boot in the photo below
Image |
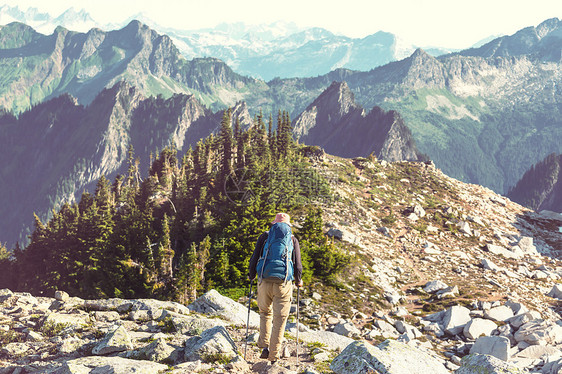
264	353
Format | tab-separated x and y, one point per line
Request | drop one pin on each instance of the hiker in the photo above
276	272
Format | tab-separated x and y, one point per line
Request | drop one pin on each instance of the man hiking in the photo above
277	262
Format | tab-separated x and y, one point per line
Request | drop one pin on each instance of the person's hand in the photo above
299	284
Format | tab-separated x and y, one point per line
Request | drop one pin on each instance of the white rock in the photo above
455	318
214	304
500	313
390	357
347	329
93	364
538	351
539	332
502	251
434	286
214	341
477	327
497	346
478	363
61	296
117	340
489	265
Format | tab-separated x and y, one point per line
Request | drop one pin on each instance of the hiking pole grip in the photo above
248	322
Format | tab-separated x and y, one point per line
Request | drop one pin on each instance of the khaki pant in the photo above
274	301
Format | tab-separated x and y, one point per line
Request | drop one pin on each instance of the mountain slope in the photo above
336	123
37	67
540	188
543	42
60	148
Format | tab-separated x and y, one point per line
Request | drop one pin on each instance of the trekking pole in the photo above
298	297
248	323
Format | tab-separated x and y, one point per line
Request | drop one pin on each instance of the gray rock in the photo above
478	327
553	367
113	365
434	286
556	291
502	251
520	320
108	304
215	341
497	346
347	329
489	265
75	320
390	357
61	296
117	340
452	291
539	332
214	304
33	336
478	363
455	318
106	316
190	325
15	350
330	339
159	351
538	351
464	227
499	313
527	246
387	330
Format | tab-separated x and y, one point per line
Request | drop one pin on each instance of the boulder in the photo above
489	265
159	351
477	363
214	304
212	342
434	286
539	332
527	246
538	351
61	296
389	357
190	325
553	367
75	320
478	327
329	339
455	318
556	291
499	313
114	365
497	346
347	329
117	340
15	350
108	304
502	251
521	319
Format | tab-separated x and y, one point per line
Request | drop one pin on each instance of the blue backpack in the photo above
277	256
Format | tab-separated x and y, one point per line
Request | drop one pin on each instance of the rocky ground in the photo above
447	277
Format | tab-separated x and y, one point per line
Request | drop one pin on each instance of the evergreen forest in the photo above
188	226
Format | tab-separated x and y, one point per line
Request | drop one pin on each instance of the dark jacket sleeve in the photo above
297	262
256	255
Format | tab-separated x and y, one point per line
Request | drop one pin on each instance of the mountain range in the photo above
262	51
60	148
499	111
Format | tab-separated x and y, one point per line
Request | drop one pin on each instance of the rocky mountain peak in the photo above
337	123
548	26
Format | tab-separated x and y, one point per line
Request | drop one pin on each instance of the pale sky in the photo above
443	23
